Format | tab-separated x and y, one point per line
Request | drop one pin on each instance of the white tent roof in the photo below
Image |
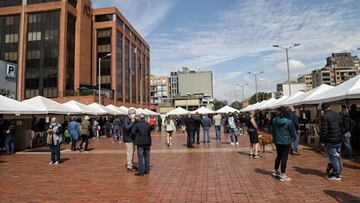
77	106
125	109
349	89
142	111
255	106
278	101
263	106
177	111
117	109
49	106
102	109
152	113
246	108
203	110
227	109
308	95
11	106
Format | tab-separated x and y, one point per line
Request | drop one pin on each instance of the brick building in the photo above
57	45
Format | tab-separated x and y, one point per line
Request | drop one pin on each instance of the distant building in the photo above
187	83
189	103
283	88
8	75
159	88
306	80
339	68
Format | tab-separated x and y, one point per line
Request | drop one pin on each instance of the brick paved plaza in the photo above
213	172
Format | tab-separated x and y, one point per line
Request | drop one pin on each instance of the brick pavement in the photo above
213	172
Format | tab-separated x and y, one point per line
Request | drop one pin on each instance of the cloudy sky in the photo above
231	37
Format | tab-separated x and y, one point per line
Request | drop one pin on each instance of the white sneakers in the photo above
236	143
232	144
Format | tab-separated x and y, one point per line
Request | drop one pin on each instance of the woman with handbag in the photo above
169	128
54	139
252	130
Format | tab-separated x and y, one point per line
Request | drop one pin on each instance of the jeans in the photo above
218	131
190	137
282	157
129	154
233	135
333	153
116	135
84	140
55	153
9	145
144	159
295	143
197	132
347	143
206	134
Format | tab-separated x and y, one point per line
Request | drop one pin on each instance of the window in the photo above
70	56
10	56
9	20
34	36
9	37
51	35
127	71
119	81
119	21
133	73
6	3
33	54
127	30
40	1
104	48
73	2
104	18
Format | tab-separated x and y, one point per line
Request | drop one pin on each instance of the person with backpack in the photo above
74	131
54	139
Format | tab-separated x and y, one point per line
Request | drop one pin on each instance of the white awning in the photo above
177	111
11	106
102	109
308	95
227	109
77	106
203	110
117	109
49	106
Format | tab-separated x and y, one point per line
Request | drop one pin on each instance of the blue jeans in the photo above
9	145
116	134
295	143
190	137
233	135
144	159
347	143
207	134
333	153
55	153
218	131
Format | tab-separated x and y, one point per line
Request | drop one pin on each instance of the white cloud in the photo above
295	67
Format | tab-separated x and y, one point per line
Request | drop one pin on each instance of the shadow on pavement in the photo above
342	196
263	171
351	166
64	159
309	171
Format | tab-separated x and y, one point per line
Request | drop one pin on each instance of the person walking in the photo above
159	123
295	143
54	139
169	128
233	130
117	130
108	128
331	138
283	131
197	125
142	139
96	129
217	122
190	130
206	123
252	130
10	138
347	123
128	138
85	127
74	131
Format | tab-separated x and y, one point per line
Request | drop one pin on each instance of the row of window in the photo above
11	38
11	56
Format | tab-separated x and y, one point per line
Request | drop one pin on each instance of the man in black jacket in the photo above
142	131
197	120
331	137
190	130
128	138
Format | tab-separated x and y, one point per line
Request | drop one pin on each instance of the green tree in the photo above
237	105
261	95
218	104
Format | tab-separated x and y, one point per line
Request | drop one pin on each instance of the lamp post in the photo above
99	75
287	61
256	88
242	90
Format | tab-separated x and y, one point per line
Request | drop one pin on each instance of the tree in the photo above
218	104
237	105
261	95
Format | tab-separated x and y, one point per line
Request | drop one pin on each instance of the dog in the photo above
265	140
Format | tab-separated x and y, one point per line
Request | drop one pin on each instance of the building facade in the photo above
306	80
159	89
283	88
57	44
182	83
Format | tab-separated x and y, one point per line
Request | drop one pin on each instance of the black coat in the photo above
198	121
142	131
190	123
331	128
128	125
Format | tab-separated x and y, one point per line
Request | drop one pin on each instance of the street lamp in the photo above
99	76
256	88
242	90
287	61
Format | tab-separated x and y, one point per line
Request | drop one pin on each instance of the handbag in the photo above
49	139
66	134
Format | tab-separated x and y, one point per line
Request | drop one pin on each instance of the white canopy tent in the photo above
203	110
349	89
255	106
301	99
11	106
49	106
246	108
117	109
141	111
281	102
267	102
102	109
151	113
77	106
177	111
227	109
124	109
